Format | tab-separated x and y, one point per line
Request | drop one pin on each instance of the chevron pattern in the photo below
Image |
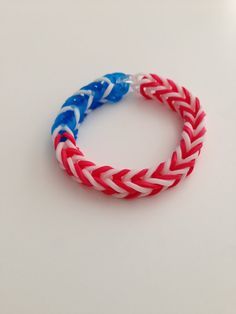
127	183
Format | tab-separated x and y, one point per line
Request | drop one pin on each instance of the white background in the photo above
65	249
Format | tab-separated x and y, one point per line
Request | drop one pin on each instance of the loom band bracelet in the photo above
126	183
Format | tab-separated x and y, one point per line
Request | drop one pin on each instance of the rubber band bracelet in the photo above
126	183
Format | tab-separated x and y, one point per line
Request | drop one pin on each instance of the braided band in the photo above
126	183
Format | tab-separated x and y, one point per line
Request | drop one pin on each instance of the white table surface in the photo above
67	250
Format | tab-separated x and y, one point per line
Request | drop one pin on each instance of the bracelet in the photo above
126	183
